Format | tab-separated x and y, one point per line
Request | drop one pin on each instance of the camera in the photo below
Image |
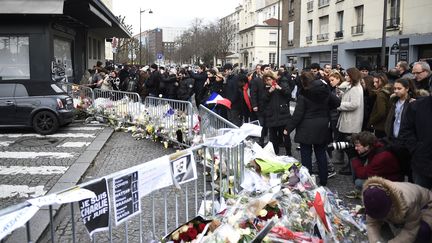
340	145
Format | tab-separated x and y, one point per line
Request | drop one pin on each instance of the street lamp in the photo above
140	44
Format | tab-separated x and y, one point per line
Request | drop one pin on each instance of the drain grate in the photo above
38	142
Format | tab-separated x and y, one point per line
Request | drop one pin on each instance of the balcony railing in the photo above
291	12
323	3
322	37
308	39
290	42
339	34
338	1
393	23
358	29
310	6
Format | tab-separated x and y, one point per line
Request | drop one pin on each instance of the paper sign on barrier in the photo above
16	219
95	212
126	197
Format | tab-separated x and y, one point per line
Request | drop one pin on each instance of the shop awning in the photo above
97	17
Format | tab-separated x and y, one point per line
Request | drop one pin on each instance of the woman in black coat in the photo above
311	121
277	110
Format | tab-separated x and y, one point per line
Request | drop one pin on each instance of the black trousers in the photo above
277	136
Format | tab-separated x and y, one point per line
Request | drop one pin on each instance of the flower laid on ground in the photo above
192	230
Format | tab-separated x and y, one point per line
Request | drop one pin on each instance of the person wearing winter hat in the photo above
406	207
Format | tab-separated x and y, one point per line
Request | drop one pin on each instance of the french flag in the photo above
216	98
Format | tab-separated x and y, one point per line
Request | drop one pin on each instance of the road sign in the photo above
159	56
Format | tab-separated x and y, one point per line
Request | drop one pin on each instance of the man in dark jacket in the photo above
152	83
257	89
423	75
233	93
416	133
200	77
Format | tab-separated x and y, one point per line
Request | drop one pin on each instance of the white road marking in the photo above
5	143
74	144
32	155
32	170
21	191
57	135
92	128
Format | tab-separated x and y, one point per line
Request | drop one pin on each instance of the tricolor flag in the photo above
216	98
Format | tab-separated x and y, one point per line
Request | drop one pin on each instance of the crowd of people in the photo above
381	121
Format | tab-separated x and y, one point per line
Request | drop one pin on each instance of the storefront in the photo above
54	40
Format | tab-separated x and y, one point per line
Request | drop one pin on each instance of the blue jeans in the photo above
422	180
320	154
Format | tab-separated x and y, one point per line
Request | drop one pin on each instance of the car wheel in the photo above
45	122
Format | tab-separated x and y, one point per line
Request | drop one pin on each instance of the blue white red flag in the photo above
216	98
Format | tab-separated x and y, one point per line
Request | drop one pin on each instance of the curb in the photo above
41	220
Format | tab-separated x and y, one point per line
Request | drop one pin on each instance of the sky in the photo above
172	13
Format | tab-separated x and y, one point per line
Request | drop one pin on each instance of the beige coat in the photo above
351	108
408	200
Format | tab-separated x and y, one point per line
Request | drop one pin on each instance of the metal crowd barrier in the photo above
212	122
82	95
173	115
162	210
118	105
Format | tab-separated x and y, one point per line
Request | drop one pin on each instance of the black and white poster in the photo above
95	211
126	197
183	169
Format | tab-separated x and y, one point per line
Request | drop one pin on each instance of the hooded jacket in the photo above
311	116
410	204
381	108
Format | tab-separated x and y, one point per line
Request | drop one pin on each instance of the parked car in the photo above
44	106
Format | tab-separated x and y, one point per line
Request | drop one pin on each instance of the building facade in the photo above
234	49
350	32
53	40
291	18
259	32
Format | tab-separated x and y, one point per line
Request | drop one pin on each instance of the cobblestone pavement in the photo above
123	151
31	164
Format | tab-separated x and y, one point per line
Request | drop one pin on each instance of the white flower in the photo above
262	213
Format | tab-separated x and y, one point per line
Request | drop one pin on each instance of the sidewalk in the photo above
71	177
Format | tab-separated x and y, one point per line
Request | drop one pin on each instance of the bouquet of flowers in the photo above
190	231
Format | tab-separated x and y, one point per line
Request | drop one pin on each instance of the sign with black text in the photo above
95	211
126	197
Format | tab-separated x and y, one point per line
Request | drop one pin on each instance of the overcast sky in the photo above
172	13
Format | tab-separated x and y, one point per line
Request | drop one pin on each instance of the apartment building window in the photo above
272	38
309	36
339	26
251	43
358	28
323	3
291	33
291	8
310	5
394	13
272	57
247	40
323	25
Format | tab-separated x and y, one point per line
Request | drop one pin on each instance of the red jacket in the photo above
379	163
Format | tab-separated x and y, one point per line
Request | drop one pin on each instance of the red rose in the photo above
192	233
279	214
270	214
184	236
201	227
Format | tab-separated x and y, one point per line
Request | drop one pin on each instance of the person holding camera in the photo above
372	160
